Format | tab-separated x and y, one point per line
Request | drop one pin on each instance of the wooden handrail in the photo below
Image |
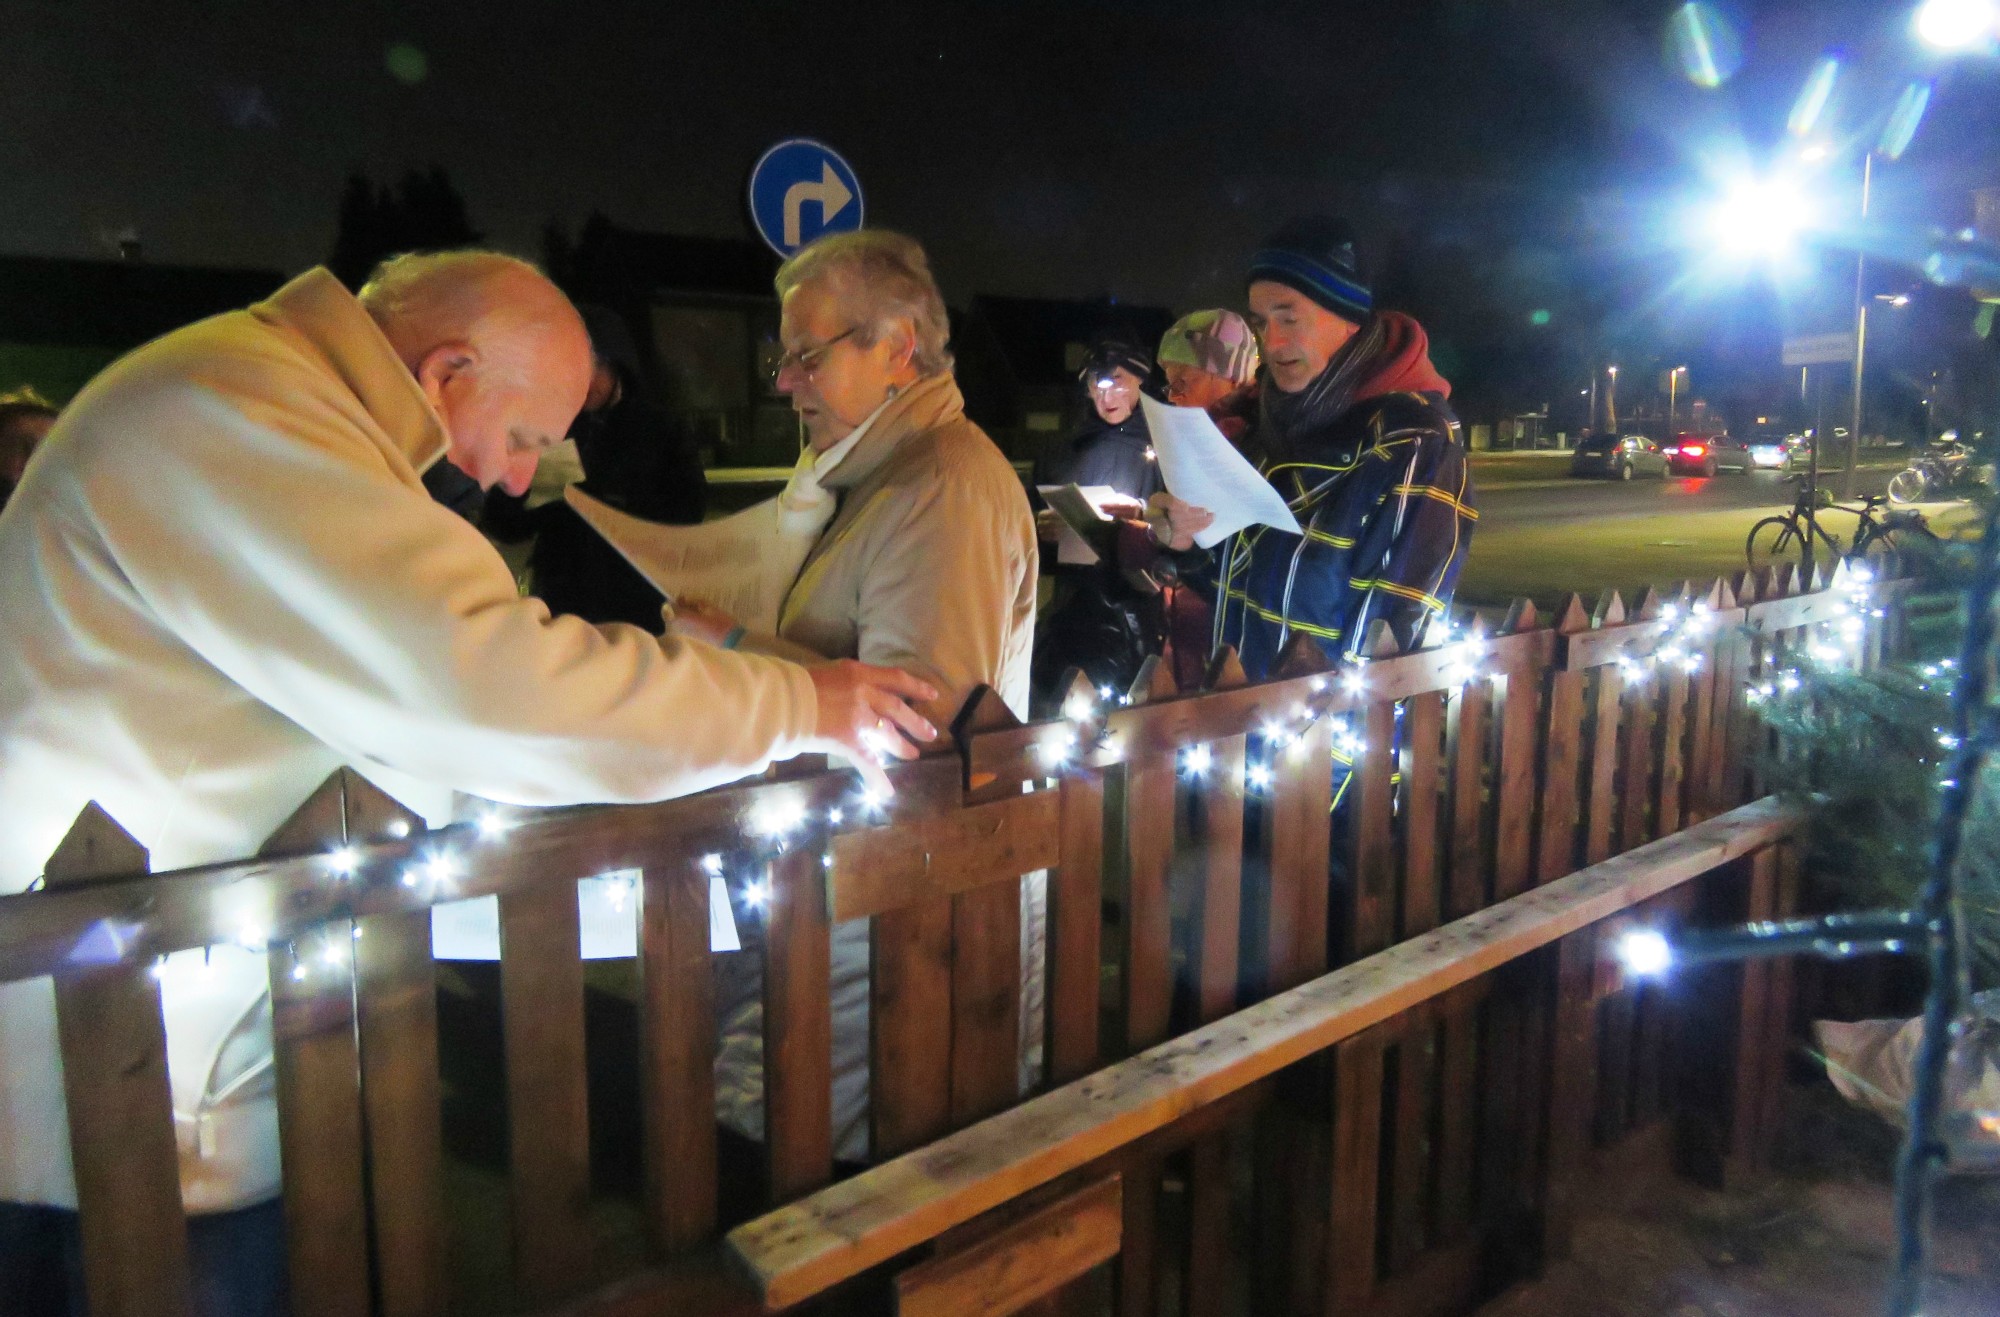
812	1245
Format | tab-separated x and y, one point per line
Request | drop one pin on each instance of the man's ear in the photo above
441	365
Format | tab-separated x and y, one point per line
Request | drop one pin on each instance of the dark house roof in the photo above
1036	334
612	264
1012	349
115	304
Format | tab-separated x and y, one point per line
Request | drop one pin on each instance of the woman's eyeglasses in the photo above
808	360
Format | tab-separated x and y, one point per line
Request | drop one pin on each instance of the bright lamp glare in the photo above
1645	954
1956	24
1760	218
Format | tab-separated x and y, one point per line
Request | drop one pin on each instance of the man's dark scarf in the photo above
1292	421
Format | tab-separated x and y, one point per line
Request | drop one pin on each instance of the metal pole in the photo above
1593	399
1860	334
1611	402
1812	480
1673	390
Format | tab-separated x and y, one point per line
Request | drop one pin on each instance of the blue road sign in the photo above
800	190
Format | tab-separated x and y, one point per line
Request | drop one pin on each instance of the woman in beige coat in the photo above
928	564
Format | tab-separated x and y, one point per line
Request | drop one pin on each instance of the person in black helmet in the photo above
1110	446
1102	620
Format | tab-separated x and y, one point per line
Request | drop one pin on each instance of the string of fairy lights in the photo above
1082	735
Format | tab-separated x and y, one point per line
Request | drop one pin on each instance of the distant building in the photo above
703	311
63	320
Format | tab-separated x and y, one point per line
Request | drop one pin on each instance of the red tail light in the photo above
1693	450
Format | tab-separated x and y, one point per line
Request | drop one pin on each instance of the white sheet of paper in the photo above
742	564
1071	548
1202	467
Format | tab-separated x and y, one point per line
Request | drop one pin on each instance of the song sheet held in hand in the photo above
742	564
1200	466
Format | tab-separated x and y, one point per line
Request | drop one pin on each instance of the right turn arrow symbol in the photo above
831	194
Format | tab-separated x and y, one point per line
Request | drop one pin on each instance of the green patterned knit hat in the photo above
1219	342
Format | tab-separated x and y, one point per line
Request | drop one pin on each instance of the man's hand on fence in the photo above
864	714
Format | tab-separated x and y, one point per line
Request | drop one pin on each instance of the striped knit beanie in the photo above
1219	342
1315	255
1112	350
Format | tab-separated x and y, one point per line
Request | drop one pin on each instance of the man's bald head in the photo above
497	348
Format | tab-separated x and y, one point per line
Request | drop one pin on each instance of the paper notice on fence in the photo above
742	564
1202	467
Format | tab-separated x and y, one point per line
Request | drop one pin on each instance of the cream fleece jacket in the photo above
219	581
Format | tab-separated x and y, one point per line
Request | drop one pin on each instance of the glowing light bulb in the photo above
343	860
494	825
1195	760
1645	953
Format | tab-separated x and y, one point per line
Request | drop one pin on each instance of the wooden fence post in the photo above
316	1062
1555	854
1600	820
121	1110
401	1093
1148	985
798	1026
677	1054
548	1106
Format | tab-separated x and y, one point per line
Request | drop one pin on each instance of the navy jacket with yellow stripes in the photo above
1386	500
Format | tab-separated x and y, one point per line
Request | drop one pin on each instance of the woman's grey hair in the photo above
879	277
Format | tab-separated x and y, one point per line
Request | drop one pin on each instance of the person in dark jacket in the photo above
1111	446
1356	431
635	457
1101	619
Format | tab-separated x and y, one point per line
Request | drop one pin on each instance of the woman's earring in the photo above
893	391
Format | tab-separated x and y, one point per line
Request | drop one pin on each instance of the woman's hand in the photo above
703	621
1176	523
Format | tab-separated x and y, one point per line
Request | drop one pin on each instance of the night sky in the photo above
1136	150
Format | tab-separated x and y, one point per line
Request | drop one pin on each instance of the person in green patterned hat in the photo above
1210	359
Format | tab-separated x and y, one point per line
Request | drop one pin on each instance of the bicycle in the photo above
1944	470
1873	537
1782	538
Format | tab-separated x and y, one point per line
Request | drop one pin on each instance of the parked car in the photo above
1706	454
1770	453
1618	457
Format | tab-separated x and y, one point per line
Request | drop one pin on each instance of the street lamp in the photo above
1673	391
1760	217
1611	400
1952	25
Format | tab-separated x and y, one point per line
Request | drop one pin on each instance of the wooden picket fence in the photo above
1261	1090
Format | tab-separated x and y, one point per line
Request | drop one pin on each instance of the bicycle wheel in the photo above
1772	542
1906	486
